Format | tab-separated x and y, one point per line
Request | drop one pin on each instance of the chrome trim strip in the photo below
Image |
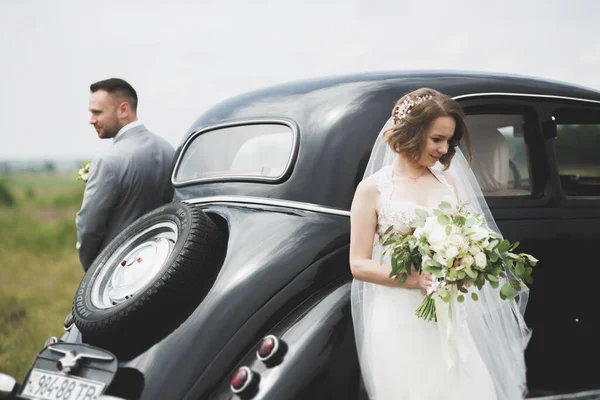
588	395
262	201
549	96
240	178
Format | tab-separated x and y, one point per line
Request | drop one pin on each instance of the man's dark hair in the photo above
118	86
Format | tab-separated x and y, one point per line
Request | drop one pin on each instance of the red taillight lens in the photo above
241	379
267	348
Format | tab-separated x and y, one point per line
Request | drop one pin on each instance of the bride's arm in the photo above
363	223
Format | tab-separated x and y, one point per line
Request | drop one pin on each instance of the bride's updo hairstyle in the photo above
412	116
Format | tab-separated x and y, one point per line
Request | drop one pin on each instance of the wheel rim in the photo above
134	265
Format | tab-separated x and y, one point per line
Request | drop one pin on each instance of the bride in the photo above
474	352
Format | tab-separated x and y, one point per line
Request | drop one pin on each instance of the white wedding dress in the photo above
405	357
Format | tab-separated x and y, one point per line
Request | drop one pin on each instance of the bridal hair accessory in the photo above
403	108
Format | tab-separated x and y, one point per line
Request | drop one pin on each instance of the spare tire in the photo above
149	279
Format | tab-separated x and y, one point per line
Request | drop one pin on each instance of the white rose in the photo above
438	247
467	261
84	177
440	258
479	233
480	260
456	240
437	236
451	252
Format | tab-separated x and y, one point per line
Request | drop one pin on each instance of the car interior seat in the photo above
491	161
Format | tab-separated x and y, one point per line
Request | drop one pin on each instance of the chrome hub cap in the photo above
134	265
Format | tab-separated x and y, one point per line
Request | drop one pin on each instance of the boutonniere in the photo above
84	171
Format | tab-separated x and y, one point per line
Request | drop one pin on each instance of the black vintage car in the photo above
240	288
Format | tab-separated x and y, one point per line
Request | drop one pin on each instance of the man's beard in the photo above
112	132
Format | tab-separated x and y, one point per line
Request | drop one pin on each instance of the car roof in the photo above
339	118
452	83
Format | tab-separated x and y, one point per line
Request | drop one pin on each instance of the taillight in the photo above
242	379
267	348
271	350
51	341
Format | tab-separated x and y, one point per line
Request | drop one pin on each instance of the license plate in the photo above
44	385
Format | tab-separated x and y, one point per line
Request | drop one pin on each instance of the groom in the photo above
129	179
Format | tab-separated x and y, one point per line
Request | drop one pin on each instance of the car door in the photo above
513	160
570	321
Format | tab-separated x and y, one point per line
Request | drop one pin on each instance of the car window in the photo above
500	161
245	152
577	157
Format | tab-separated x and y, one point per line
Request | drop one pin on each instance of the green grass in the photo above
39	267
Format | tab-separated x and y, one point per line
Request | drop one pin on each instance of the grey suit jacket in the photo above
126	181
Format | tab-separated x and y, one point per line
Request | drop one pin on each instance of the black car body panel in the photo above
260	282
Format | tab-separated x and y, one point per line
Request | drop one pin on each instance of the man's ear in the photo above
124	110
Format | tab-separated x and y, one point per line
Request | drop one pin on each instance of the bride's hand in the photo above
425	281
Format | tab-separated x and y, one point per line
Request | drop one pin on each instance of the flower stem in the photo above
427	309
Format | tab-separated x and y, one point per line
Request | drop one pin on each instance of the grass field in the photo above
39	267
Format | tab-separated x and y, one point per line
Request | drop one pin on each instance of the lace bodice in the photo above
399	213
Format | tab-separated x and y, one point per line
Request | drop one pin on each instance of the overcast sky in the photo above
185	56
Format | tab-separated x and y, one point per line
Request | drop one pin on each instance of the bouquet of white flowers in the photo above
84	172
456	247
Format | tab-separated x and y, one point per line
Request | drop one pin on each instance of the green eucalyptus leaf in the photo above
448	229
509	263
460	298
503	246
506	290
417	223
422	213
443	220
494	284
520	268
532	260
515	285
492	244
474	296
444	294
491	278
472	274
444	205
